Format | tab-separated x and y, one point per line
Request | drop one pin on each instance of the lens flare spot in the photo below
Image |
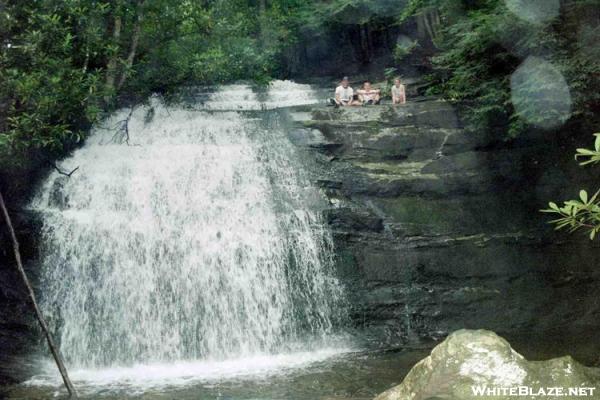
540	93
405	42
534	11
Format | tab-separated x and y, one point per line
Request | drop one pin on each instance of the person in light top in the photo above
367	95
398	92
344	94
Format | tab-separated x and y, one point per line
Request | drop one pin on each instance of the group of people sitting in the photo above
345	95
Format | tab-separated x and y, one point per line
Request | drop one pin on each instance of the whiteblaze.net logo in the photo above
528	391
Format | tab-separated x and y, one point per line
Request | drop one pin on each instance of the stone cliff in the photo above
438	228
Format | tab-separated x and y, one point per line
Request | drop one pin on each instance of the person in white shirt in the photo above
344	94
367	95
398	92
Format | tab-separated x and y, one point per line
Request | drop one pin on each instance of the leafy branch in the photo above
585	212
593	156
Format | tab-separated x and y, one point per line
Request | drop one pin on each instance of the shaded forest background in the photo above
64	64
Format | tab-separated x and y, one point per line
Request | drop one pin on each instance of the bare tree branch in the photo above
53	349
60	171
122	128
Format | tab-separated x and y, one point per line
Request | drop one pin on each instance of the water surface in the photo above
317	376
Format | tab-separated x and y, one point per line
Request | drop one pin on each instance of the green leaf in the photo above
583	196
595	196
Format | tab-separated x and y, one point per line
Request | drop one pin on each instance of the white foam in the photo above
245	98
199	240
143	377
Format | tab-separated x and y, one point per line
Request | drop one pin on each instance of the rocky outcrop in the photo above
476	364
437	228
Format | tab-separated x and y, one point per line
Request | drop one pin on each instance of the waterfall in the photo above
242	97
197	238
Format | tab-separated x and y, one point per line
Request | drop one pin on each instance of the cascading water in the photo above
195	239
242	97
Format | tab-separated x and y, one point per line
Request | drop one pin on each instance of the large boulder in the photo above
469	361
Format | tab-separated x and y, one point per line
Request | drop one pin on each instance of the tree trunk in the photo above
53	349
111	67
262	7
389	43
133	49
364	43
370	47
262	21
86	61
421	27
427	25
437	21
435	24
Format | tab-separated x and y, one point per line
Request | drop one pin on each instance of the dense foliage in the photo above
64	62
482	43
46	92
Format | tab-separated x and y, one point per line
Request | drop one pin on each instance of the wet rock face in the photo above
18	336
438	229
469	361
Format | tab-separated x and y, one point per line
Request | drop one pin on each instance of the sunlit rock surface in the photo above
469	361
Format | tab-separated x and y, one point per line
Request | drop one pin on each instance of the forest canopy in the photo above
65	63
499	59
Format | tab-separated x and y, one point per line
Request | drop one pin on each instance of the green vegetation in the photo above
516	65
404	48
481	43
64	63
583	213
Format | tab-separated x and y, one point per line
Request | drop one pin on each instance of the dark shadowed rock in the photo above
352	221
58	198
18	335
437	228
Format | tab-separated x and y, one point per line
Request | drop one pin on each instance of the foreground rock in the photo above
470	360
